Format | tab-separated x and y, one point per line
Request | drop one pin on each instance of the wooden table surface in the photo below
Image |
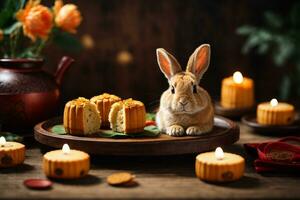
169	177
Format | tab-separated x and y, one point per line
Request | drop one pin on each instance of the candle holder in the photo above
66	163
11	153
219	166
274	117
237	96
251	121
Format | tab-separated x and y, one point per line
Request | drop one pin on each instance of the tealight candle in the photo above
219	166
11	153
237	91
66	163
275	113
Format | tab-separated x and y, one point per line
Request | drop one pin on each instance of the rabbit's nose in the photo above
183	103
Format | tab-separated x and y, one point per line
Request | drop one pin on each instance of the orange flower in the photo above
67	16
37	20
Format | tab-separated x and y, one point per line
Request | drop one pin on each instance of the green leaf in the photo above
252	41
150	116
8	11
284	50
245	30
58	129
11	136
149	131
152	130
12	28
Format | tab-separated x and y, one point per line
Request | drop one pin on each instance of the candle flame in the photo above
66	149
219	154
238	77
2	141
274	102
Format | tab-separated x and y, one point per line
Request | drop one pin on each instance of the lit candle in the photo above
274	102
219	153
2	141
218	166
11	153
238	77
66	149
275	113
237	91
66	163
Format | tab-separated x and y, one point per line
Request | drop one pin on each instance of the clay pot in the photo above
28	94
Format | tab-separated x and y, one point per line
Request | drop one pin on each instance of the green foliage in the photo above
11	137
280	38
149	131
8	11
16	45
150	116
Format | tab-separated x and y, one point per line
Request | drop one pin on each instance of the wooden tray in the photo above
225	132
250	120
232	113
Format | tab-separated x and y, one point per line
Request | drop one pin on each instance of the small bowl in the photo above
250	120
232	113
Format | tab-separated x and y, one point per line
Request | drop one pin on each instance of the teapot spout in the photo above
63	66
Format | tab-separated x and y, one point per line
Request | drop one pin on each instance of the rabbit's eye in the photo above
172	89
194	89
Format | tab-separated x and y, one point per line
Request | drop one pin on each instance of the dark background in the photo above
138	27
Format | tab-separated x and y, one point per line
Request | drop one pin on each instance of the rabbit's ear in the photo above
199	61
167	63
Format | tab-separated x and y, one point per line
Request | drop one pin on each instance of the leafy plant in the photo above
279	37
26	27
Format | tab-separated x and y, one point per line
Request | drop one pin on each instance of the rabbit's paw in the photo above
194	130
175	130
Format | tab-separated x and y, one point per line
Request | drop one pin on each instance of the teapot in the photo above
28	94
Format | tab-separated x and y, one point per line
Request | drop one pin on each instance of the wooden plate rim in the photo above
248	120
166	144
231	112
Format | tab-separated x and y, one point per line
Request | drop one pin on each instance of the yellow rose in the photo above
37	20
67	17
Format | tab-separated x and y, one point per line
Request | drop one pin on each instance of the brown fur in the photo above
185	112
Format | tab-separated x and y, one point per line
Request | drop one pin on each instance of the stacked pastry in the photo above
85	117
104	103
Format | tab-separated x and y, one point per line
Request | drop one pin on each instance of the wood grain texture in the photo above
224	132
165	177
138	27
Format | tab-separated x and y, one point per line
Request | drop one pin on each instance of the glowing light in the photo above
238	77
2	141
219	154
274	102
66	149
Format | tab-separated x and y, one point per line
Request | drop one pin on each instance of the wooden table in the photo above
169	177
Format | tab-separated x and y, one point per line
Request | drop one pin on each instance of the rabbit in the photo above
185	108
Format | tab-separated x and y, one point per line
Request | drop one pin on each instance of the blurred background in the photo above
119	38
